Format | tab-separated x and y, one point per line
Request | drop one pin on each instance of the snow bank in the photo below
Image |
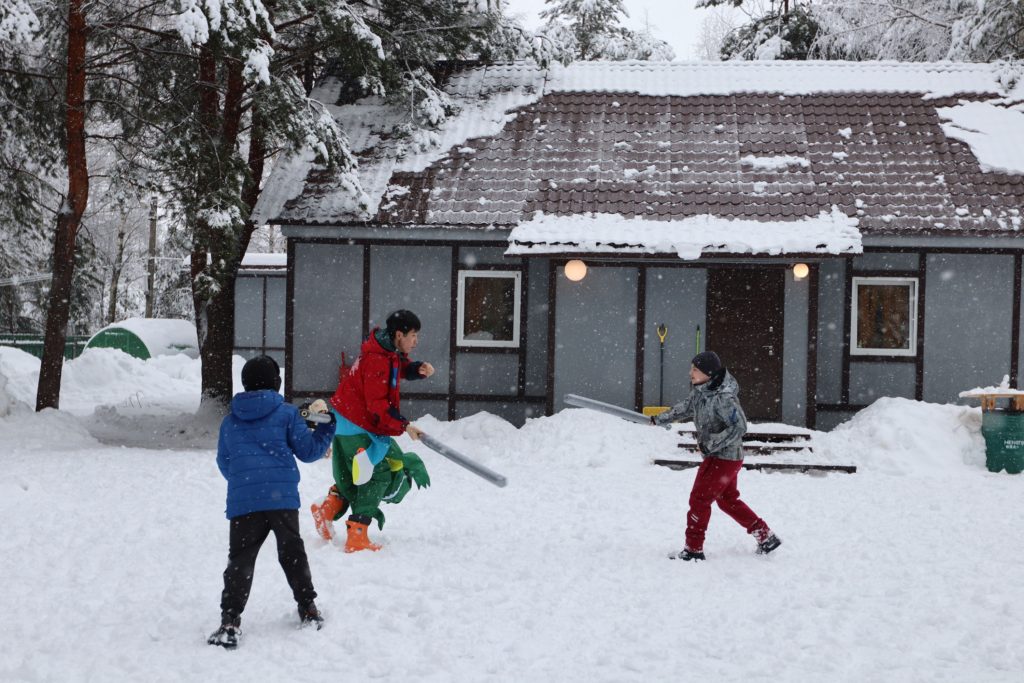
8	403
20	371
994	133
829	233
114	382
561	576
904	437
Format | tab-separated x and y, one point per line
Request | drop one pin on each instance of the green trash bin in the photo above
1004	440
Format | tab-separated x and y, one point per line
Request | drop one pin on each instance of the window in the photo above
884	317
489	308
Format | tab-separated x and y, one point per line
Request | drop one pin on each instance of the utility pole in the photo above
151	265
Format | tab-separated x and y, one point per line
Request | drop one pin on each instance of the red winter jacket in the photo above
368	394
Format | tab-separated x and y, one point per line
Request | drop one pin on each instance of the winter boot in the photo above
358	539
228	634
326	511
309	615
687	555
770	543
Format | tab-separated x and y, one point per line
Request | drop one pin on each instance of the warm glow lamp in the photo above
800	271
575	270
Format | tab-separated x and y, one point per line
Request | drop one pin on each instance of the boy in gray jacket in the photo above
714	406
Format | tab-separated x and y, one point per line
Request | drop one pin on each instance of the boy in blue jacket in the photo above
256	453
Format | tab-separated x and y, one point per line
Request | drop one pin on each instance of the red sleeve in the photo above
375	392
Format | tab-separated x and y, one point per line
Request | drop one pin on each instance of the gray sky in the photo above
674	21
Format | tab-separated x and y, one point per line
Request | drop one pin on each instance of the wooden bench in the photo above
789	449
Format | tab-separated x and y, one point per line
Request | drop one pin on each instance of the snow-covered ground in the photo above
111	554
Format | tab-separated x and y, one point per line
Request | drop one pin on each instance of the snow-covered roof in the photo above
264	261
763	141
162	336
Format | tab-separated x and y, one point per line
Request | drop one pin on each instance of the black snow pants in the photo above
248	533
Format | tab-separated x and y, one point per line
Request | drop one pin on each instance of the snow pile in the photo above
904	437
827	233
9	404
994	133
20	372
111	377
112	382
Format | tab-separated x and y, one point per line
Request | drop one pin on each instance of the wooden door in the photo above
744	327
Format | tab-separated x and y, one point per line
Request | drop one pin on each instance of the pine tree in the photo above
780	35
234	83
29	155
592	29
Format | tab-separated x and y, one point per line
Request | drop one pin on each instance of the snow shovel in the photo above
662	335
607	408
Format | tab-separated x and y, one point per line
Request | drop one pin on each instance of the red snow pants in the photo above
716	483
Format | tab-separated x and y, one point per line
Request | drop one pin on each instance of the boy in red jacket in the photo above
369	467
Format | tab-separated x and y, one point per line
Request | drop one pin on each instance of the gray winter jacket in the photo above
716	412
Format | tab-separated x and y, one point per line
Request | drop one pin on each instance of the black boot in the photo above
227	635
687	555
310	616
769	544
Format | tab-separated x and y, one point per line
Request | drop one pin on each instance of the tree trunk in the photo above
70	217
115	272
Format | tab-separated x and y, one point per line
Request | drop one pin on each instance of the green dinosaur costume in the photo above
392	477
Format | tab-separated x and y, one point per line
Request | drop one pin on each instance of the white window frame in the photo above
911	282
460	340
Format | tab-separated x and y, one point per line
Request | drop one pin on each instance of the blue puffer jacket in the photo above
256	453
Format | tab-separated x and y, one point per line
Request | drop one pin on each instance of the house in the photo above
260	306
837	231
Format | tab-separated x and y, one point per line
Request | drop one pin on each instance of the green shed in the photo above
148	337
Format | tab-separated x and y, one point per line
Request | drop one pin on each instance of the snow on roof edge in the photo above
828	233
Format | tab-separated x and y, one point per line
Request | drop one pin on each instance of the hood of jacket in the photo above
373	345
721	382
253	405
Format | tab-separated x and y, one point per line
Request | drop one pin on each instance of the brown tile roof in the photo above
882	157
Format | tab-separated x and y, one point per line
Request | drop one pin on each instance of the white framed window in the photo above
488	308
884	317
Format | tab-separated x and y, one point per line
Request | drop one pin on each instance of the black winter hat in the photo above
402	321
707	362
261	372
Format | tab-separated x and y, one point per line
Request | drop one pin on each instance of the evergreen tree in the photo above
775	35
592	29
234	79
29	155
